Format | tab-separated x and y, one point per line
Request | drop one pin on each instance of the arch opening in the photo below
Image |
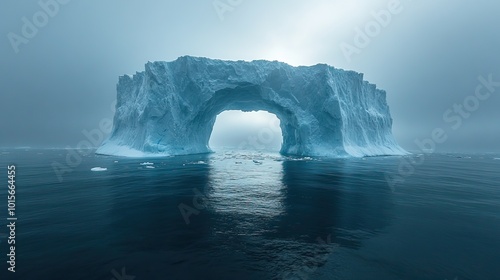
246	130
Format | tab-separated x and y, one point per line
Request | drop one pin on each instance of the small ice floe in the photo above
115	161
257	162
150	167
147	163
197	162
98	169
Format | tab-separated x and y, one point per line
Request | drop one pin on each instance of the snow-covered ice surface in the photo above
171	107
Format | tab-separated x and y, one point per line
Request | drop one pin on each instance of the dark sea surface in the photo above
250	215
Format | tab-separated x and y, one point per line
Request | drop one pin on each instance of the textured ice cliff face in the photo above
171	107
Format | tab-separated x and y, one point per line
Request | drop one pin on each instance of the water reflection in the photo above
246	185
260	219
261	213
337	197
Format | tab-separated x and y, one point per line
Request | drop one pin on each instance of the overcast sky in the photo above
427	57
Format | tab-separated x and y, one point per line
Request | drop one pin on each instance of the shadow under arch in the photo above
332	197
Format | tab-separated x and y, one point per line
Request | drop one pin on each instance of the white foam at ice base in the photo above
98	169
120	150
299	159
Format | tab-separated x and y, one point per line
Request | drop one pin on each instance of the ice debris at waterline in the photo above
171	107
98	169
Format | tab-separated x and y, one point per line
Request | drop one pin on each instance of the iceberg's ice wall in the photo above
171	107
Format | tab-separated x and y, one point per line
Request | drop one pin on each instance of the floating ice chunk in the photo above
197	162
147	163
150	167
98	169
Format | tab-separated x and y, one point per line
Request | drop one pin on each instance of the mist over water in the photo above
428	58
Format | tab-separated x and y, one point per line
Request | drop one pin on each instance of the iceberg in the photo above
171	107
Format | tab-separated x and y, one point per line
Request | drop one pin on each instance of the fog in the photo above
247	131
428	55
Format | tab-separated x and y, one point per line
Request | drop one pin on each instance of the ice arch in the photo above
170	108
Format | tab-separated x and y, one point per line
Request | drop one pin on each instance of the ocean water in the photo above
251	215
